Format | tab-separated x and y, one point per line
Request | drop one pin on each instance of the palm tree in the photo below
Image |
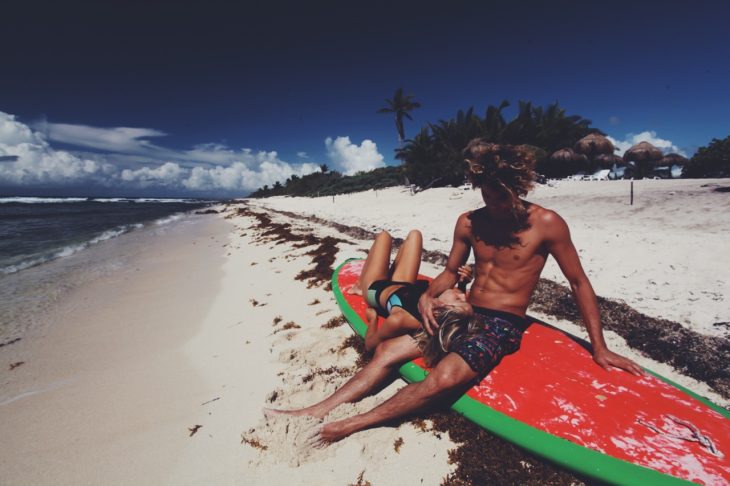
400	106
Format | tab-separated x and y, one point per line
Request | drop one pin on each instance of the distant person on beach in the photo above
392	290
512	240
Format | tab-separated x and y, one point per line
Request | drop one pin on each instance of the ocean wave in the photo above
41	200
69	250
61	200
147	200
169	219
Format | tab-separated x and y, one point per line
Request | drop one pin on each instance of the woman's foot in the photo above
355	289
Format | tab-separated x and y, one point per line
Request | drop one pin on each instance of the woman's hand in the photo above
466	274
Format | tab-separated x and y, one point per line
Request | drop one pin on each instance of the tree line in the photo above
434	158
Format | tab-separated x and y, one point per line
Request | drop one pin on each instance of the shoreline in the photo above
97	379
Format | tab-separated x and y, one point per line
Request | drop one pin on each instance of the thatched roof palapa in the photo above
593	144
673	159
609	160
537	152
567	155
643	152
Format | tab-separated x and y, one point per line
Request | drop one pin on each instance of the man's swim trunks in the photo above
500	335
406	296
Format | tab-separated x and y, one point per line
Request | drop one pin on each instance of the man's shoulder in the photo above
464	218
544	218
540	214
548	223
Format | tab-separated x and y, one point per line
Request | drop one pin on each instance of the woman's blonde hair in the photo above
453	323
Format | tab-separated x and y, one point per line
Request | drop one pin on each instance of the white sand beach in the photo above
158	374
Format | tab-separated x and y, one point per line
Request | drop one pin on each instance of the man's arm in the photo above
560	246
458	255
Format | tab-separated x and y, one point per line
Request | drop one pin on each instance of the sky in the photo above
216	99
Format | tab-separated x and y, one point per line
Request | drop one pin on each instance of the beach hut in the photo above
609	161
593	145
644	156
568	162
674	163
673	159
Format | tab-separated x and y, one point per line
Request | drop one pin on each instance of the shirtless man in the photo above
512	240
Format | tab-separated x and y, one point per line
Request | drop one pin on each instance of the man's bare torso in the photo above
505	276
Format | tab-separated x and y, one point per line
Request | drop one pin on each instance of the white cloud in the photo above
168	174
117	139
33	161
302	155
28	159
240	176
351	158
666	146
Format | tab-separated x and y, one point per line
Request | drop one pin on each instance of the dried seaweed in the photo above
332	370
361	481
323	256
253	441
334	322
398	444
358	344
289	325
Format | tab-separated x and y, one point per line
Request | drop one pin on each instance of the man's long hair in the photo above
509	170
506	168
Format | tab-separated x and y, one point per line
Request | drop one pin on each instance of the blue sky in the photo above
206	98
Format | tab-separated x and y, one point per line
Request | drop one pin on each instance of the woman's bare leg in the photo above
408	259
376	264
399	322
405	269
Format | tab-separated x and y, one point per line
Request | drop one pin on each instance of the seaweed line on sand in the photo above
691	353
323	256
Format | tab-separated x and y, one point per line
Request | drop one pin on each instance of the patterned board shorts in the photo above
501	335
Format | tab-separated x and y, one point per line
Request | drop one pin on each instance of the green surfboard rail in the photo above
569	455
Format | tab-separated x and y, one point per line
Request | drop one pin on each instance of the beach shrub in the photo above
327	183
710	161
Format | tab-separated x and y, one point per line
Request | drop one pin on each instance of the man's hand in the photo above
606	359
426	304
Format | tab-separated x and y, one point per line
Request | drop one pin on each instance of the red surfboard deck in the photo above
552	386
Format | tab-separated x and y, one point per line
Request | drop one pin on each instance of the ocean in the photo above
48	246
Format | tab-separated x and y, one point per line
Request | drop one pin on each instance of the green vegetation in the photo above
433	157
710	161
326	183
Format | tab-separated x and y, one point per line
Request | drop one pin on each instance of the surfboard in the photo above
551	399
